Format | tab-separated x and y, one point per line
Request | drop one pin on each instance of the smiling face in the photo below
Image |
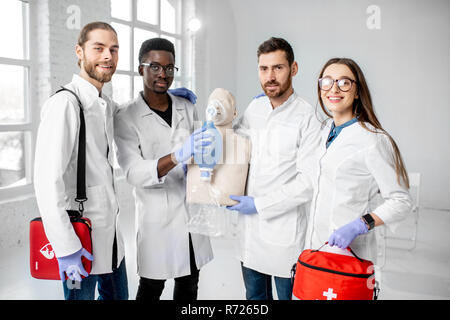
98	56
161	82
338	102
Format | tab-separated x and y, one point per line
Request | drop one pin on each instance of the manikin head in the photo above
221	107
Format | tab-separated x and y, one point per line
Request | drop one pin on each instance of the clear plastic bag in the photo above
212	220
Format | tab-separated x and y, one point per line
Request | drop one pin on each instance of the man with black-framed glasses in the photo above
154	137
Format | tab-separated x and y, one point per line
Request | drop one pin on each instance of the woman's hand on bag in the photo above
343	236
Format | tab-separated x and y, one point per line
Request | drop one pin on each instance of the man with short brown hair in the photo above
279	123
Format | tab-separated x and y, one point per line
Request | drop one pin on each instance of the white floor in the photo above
421	273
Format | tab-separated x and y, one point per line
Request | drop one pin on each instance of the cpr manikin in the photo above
207	194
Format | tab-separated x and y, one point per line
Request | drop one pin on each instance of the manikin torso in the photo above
230	174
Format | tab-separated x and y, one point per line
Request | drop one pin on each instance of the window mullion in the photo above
26	33
173	35
15	62
159	15
28	156
16	127
117	20
146	26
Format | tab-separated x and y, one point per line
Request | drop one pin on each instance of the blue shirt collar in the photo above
342	126
334	132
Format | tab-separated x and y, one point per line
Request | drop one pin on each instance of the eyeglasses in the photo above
344	84
156	68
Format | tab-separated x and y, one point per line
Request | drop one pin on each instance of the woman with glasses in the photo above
356	161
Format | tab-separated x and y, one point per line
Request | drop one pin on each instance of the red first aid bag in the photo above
321	275
43	262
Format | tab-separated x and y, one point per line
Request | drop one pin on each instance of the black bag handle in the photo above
81	161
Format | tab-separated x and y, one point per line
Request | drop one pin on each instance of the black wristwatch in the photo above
369	221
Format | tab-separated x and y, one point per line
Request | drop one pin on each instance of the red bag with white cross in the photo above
321	275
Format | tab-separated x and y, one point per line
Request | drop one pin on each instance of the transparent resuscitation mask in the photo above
214	111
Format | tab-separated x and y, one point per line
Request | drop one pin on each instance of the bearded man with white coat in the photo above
55	171
283	129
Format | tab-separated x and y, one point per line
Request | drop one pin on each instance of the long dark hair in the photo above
363	109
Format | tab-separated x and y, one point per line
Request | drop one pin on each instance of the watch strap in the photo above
369	220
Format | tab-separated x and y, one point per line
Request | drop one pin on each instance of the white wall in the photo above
406	63
216	53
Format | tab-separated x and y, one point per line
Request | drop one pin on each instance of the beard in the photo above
103	77
281	89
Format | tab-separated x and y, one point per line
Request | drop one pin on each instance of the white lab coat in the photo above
271	240
348	179
142	137
55	172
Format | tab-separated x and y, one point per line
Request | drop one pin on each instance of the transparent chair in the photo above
405	237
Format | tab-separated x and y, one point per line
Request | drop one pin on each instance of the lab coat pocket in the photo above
283	141
153	205
280	231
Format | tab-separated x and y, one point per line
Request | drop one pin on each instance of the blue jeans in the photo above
258	286
111	286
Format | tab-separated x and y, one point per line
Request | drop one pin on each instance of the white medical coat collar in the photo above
146	111
87	91
284	105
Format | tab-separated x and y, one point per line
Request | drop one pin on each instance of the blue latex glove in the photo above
73	266
184	166
194	144
343	236
184	93
246	204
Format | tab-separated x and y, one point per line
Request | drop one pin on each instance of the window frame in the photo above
156	28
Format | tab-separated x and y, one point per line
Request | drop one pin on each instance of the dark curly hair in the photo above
155	44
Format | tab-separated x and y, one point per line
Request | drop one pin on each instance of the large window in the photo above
15	111
136	21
